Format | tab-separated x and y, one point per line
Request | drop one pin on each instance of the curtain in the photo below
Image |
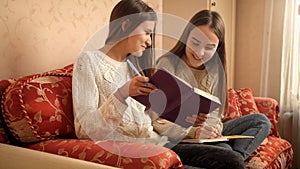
290	76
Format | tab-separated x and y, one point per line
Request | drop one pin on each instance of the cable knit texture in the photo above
98	113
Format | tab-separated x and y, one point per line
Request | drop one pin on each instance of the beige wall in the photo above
274	75
258	46
41	35
38	36
249	42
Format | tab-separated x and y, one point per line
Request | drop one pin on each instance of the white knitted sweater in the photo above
98	114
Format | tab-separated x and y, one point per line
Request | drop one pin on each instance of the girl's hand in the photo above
203	132
139	85
197	120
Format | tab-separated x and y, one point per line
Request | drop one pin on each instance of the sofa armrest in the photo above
126	155
12	157
270	108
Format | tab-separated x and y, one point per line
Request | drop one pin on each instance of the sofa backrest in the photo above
39	107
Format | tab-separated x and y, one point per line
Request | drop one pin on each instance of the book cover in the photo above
219	139
175	99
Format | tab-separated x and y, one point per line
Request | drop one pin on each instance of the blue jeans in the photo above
199	156
226	154
257	125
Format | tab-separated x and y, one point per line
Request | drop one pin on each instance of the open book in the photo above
209	140
175	99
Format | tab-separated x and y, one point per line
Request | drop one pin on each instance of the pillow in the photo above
233	111
39	107
246	102
3	129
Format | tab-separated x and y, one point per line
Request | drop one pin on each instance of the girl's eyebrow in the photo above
149	30
195	39
198	41
211	45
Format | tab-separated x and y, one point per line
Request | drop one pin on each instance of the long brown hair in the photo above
136	11
215	22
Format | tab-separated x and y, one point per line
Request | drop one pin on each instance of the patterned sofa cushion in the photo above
233	111
270	108
3	128
39	107
125	155
240	102
246	101
273	153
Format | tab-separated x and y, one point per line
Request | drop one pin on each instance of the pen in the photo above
133	67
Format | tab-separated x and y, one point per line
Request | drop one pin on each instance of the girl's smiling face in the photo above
201	45
140	38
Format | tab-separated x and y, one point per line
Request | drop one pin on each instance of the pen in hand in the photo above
135	69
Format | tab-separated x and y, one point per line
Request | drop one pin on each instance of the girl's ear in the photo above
125	25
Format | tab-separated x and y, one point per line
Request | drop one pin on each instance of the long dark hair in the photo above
136	11
215	22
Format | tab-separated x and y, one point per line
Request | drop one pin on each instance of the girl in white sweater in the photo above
103	82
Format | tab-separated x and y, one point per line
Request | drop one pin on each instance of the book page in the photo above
238	136
207	95
209	140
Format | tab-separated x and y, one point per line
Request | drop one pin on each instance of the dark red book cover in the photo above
175	99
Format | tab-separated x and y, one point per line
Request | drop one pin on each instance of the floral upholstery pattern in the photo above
242	102
39	107
246	102
273	153
233	109
127	155
270	108
3	85
37	110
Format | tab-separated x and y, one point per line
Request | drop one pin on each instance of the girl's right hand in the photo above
139	85
203	132
206	132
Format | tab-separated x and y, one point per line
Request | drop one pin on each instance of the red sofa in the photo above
36	113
